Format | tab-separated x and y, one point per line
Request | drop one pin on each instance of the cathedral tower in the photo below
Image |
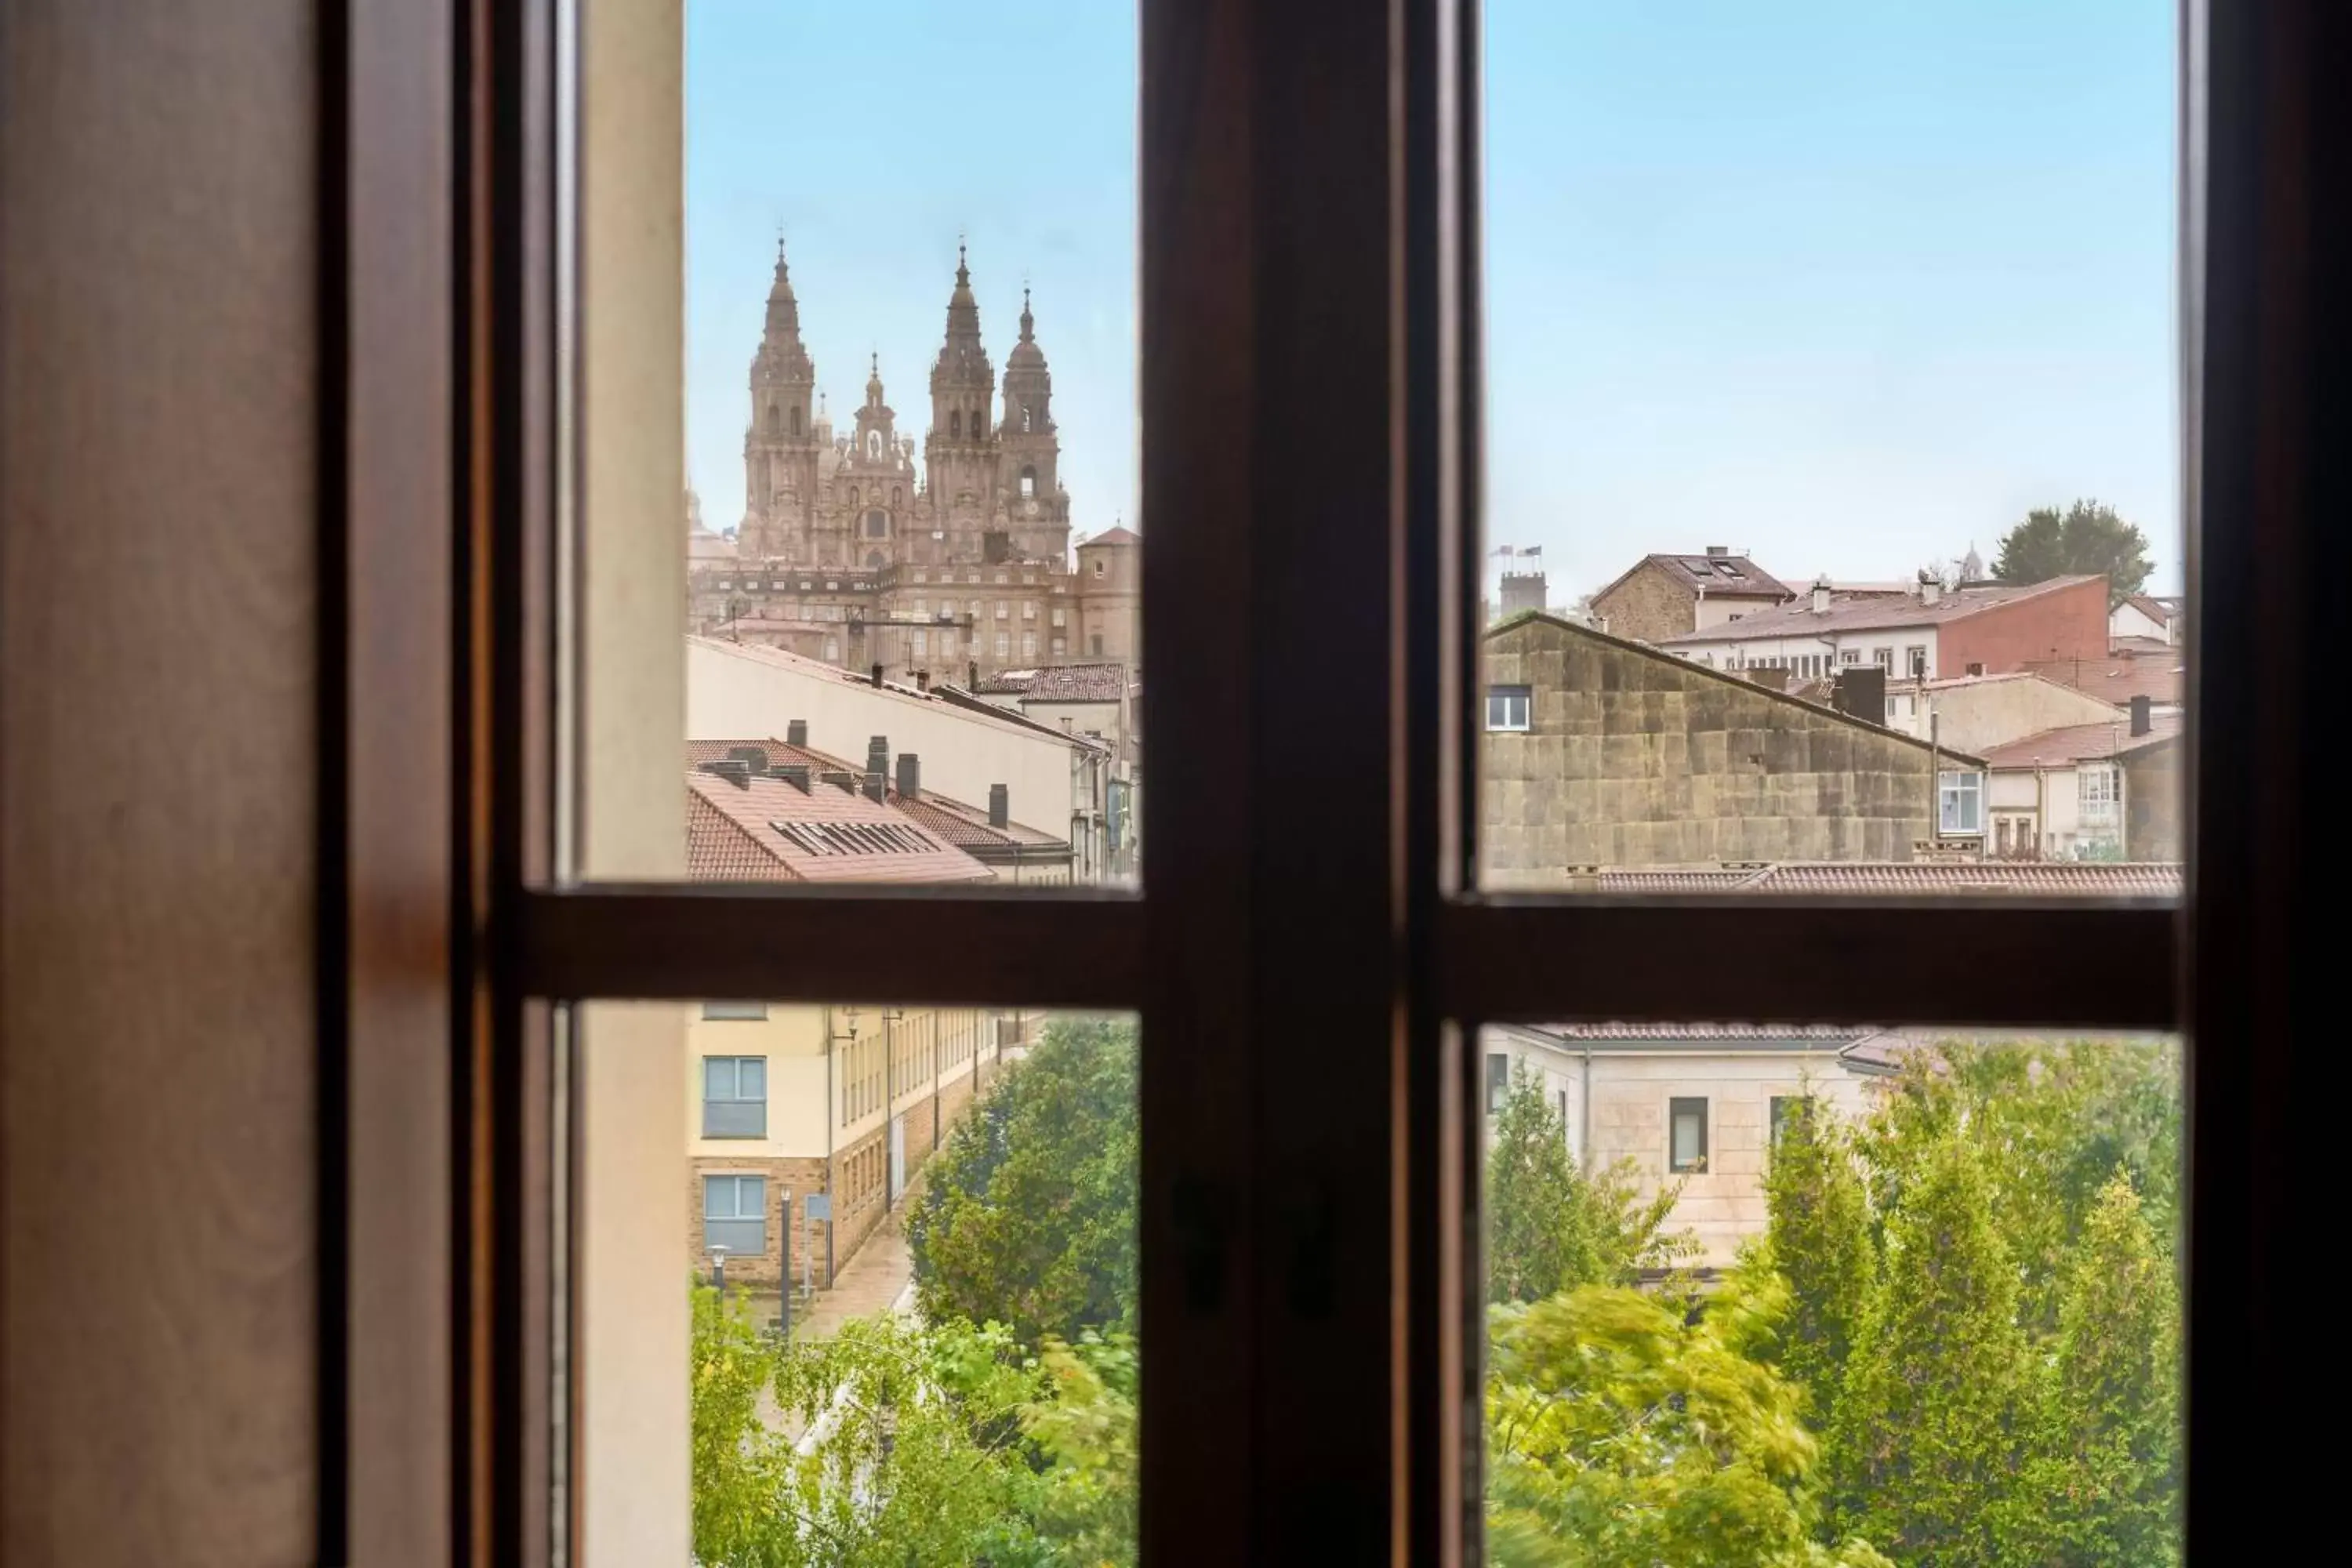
782	445
876	483
960	453
1026	476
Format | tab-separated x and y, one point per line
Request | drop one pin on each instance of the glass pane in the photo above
1834	515
904	546
1935	1318
901	1303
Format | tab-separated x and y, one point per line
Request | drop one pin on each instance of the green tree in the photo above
889	1445
1819	1243
1028	1215
1084	1430
1549	1224
2057	1119
1925	1440
2088	536
1623	1432
2111	1468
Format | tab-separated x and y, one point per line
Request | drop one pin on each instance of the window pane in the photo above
910	393
929	1221
1832	515
1938	1316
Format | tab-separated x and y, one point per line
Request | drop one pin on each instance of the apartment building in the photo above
1663	595
1928	632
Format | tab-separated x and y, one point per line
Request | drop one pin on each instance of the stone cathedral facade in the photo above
847	541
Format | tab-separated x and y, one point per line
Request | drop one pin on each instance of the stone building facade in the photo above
1600	752
853	552
1660	596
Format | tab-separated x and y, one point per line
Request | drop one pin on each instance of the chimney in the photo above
1931	588
911	776
877	675
734	770
922	680
1821	596
845	782
793	773
972	682
751	756
2139	712
796	732
877	754
1718	550
1000	806
877	788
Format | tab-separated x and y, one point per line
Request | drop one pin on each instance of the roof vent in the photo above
734	770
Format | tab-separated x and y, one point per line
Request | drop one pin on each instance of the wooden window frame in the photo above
1298	290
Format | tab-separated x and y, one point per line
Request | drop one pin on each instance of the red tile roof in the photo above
1695	569
1114	536
1822	1036
1874	613
954	822
2161	678
1916	878
2080	742
1060	683
827	835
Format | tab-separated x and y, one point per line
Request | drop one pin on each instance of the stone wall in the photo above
1647	606
1635	758
2152	803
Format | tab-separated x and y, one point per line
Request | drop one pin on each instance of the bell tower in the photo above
959	453
1035	503
782	444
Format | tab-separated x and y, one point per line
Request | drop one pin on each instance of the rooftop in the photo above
954	822
1720	575
2161	678
1114	536
775	832
1703	1036
2080	742
1873	612
1060	683
2107	879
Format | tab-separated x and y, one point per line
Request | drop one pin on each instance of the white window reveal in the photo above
2096	794
1507	707
1959	796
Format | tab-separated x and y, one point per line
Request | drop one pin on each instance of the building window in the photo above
1003	645
734	1097
877	523
947	642
955	424
1849	655
735	1215
1028	645
922	608
1687	1134
1883	658
1060	617
1915	659
1003	610
832	650
2095	792
735	1012
1784	1108
1029	609
1498	1081
916	644
1507	707
1098	642
1098	566
1061	646
1029	475
796	419
1959	802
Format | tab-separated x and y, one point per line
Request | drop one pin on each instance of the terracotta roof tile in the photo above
1873	612
2120	677
1060	683
1915	879
2079	743
954	822
827	835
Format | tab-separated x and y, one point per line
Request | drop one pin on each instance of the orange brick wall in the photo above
2065	623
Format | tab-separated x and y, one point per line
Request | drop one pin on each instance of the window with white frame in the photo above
2097	793
734	1097
1960	801
1509	707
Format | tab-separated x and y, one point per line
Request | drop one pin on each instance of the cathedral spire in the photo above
874	381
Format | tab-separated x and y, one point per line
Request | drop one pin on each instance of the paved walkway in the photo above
881	1277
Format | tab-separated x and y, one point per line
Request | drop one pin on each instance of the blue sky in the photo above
1850	283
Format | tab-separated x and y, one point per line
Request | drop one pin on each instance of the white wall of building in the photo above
1816	653
2053	795
2128	620
736	692
1618	1100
